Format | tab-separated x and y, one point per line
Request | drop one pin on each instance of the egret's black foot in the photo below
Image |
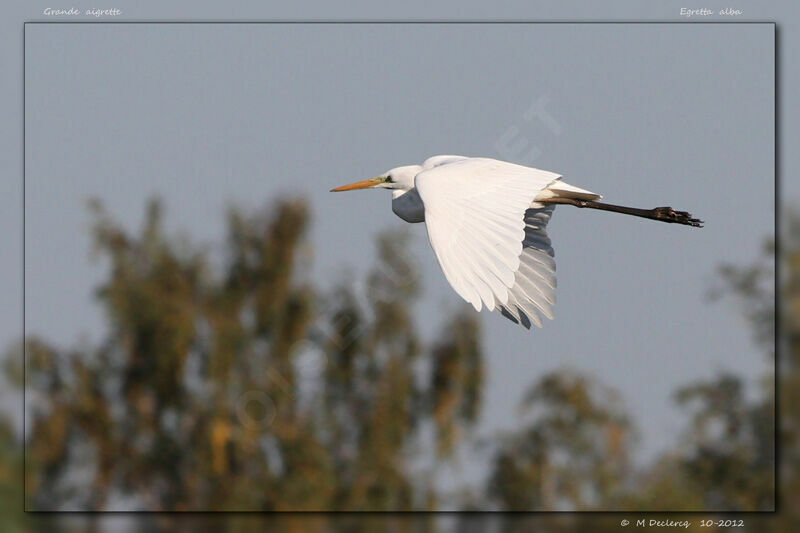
667	214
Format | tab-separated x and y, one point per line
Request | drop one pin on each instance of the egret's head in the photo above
400	178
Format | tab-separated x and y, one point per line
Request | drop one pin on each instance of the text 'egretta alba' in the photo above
486	221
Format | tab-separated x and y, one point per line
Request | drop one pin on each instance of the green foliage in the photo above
243	389
730	447
11	472
456	381
246	387
572	455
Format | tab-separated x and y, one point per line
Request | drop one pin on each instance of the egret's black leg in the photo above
664	214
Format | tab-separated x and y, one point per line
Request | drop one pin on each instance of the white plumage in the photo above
487	224
486	228
489	232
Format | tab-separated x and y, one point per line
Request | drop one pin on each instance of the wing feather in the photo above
493	249
535	281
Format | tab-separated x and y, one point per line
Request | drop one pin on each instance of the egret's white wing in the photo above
534	289
439	160
491	245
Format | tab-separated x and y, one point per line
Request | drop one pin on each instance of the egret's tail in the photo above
562	189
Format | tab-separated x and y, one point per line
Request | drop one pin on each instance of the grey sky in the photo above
206	115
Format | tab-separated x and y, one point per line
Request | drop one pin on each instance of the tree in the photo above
572	455
244	389
726	458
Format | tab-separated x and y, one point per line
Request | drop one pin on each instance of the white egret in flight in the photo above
486	222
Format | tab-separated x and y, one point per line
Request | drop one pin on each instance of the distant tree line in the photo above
247	387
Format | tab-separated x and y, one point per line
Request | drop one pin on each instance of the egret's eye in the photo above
388	179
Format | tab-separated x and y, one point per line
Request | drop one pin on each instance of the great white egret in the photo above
486	222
